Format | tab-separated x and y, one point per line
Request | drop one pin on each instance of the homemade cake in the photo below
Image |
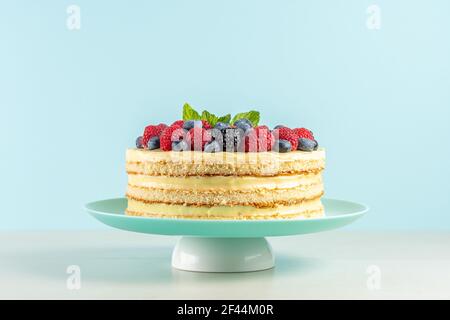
225	170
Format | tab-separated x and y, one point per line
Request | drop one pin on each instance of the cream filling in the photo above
223	182
141	155
221	211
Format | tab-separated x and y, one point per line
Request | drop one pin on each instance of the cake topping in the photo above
304	133
174	133
284	133
153	143
178	123
198	137
210	133
259	139
282	146
139	142
213	146
189	124
180	145
307	144
152	131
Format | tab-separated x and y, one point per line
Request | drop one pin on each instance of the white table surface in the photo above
122	265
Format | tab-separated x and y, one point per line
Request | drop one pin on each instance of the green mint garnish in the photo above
211	118
252	116
225	119
189	113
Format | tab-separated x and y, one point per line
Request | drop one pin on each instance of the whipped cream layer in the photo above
142	155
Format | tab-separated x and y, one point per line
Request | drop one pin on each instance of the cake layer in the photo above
193	163
305	209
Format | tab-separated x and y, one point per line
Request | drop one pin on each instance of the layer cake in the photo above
224	185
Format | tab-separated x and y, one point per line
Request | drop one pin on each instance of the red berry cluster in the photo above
256	139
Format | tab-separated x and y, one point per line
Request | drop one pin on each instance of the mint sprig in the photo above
252	116
211	118
190	114
225	119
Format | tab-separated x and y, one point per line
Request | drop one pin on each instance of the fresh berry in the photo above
233	140
151	131
139	142
304	133
282	146
189	124
285	133
278	126
243	124
316	146
206	125
265	138
243	120
198	137
170	134
307	144
153	143
162	126
213	146
180	145
217	135
259	139
178	123
221	125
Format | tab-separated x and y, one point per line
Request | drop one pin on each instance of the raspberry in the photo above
206	125
304	133
170	134
162	125
287	134
178	123
150	132
198	137
259	140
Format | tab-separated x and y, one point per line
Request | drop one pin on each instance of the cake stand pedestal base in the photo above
204	254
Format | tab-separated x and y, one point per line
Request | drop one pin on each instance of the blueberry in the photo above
153	143
282	146
180	145
307	144
221	125
243	124
213	146
217	135
278	126
244	120
139	142
189	124
233	140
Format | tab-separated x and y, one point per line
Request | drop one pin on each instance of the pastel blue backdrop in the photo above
73	101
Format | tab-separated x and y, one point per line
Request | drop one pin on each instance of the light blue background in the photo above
73	101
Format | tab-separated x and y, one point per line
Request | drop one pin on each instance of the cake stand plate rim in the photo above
111	212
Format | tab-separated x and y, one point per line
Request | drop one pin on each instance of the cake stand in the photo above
224	245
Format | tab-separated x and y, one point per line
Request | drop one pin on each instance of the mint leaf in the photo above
211	118
225	118
189	113
252	116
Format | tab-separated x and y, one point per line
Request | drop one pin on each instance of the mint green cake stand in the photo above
224	245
